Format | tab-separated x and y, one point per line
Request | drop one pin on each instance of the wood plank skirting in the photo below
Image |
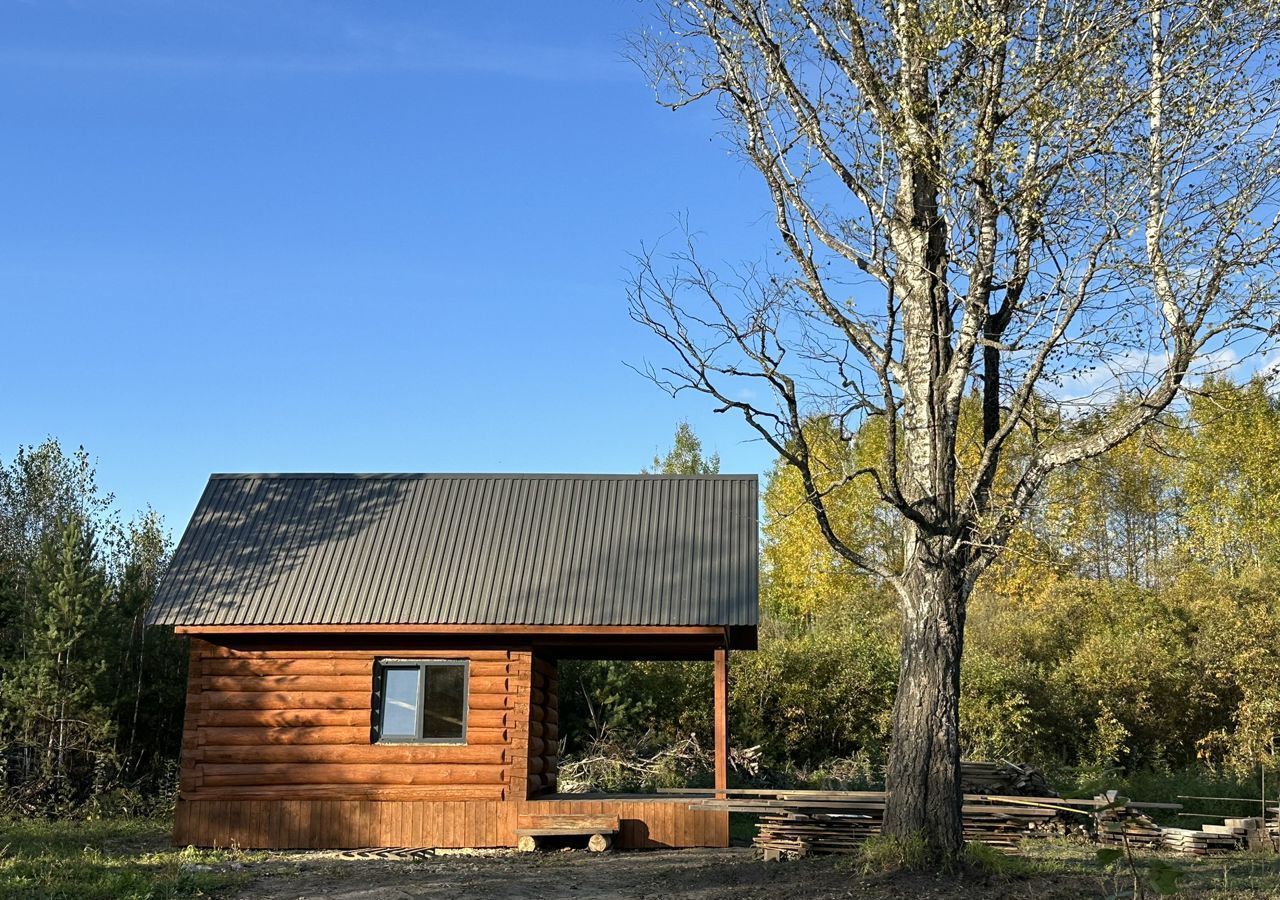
345	824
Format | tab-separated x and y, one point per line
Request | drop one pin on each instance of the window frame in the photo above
380	676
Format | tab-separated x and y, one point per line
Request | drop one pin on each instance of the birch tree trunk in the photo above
924	757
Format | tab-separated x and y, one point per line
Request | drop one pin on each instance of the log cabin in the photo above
374	659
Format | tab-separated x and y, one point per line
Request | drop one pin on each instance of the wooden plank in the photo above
287	683
879	795
232	774
490	701
181	819
437	825
566	823
378	754
417	831
284	717
451	825
389	650
490	718
637	631
257	737
487	735
298	700
552	832
284	665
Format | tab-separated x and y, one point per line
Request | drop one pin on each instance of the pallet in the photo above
388	853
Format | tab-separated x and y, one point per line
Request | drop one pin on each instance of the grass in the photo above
1061	868
880	854
108	859
1232	877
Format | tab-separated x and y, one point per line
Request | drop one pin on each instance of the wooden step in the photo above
566	824
599	830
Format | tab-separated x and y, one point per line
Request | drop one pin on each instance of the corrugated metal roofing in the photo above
466	549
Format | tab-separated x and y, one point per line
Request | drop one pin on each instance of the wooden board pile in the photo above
1004	778
1125	824
1197	843
1248	832
803	833
804	822
1004	827
1120	824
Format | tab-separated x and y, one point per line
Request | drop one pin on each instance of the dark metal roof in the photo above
466	549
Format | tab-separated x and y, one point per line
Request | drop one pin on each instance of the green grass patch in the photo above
983	859
1235	876
881	854
108	859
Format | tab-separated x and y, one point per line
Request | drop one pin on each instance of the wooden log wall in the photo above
293	724
544	726
277	753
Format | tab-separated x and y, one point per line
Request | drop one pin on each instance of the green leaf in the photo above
1109	855
1164	877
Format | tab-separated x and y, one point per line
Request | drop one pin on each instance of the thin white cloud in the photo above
352	50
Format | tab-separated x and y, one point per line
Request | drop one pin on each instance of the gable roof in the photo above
421	549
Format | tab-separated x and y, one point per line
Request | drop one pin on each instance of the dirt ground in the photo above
732	874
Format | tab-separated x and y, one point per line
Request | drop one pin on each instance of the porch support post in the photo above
722	718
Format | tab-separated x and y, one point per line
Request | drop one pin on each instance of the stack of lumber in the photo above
803	822
1125	825
1247	832
1004	826
1197	843
1120	825
799	822
801	834
1004	778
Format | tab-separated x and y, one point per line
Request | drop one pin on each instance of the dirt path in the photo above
733	874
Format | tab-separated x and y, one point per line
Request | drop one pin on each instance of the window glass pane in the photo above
444	714
399	701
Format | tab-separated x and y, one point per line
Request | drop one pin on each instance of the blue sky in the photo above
326	236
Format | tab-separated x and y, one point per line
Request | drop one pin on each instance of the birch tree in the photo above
1066	208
